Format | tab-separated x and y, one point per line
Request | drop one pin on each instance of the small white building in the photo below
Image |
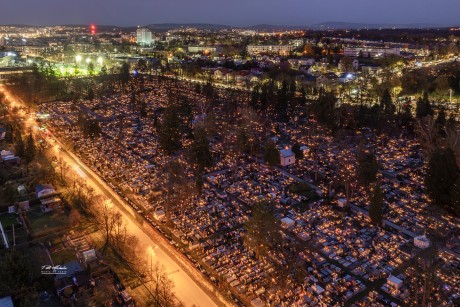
287	223
287	157
341	202
394	282
159	215
422	242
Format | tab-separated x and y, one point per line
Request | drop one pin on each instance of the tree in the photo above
441	176
455	197
281	107
423	107
199	183
262	229
30	149
91	69
177	187
441	120
15	276
20	147
200	151
106	219
386	103
346	64
124	73
90	95
297	151
367	168
376	204
272	155
169	134
325	109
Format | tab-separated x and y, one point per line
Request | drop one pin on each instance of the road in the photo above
187	289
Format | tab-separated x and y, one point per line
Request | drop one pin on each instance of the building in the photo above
274	49
371	52
144	37
394	282
6	302
287	157
204	49
422	242
43	190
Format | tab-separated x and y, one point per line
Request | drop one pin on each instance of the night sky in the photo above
229	12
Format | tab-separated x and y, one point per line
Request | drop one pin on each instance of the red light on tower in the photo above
92	29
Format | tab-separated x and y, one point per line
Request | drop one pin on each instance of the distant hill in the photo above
171	26
354	26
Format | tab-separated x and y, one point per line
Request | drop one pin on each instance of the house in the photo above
346	77
11	160
71	268
223	74
242	76
326	80
43	190
371	68
6	302
287	157
48	204
2	133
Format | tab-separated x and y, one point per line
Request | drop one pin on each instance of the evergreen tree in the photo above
386	103
424	107
20	147
124	74
441	176
271	155
376	205
169	135
30	149
297	151
16	277
282	103
262	229
200	151
455	197
325	108
367	168
303	97
441	120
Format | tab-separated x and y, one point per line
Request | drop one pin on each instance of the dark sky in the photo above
229	12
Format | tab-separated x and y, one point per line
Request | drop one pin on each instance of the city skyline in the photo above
235	13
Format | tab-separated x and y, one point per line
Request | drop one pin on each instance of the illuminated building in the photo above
144	37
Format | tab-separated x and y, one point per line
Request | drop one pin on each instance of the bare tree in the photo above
427	131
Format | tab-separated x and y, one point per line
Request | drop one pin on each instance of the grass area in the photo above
63	256
8	219
37	257
46	222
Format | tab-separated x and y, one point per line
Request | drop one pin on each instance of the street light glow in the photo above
78	58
